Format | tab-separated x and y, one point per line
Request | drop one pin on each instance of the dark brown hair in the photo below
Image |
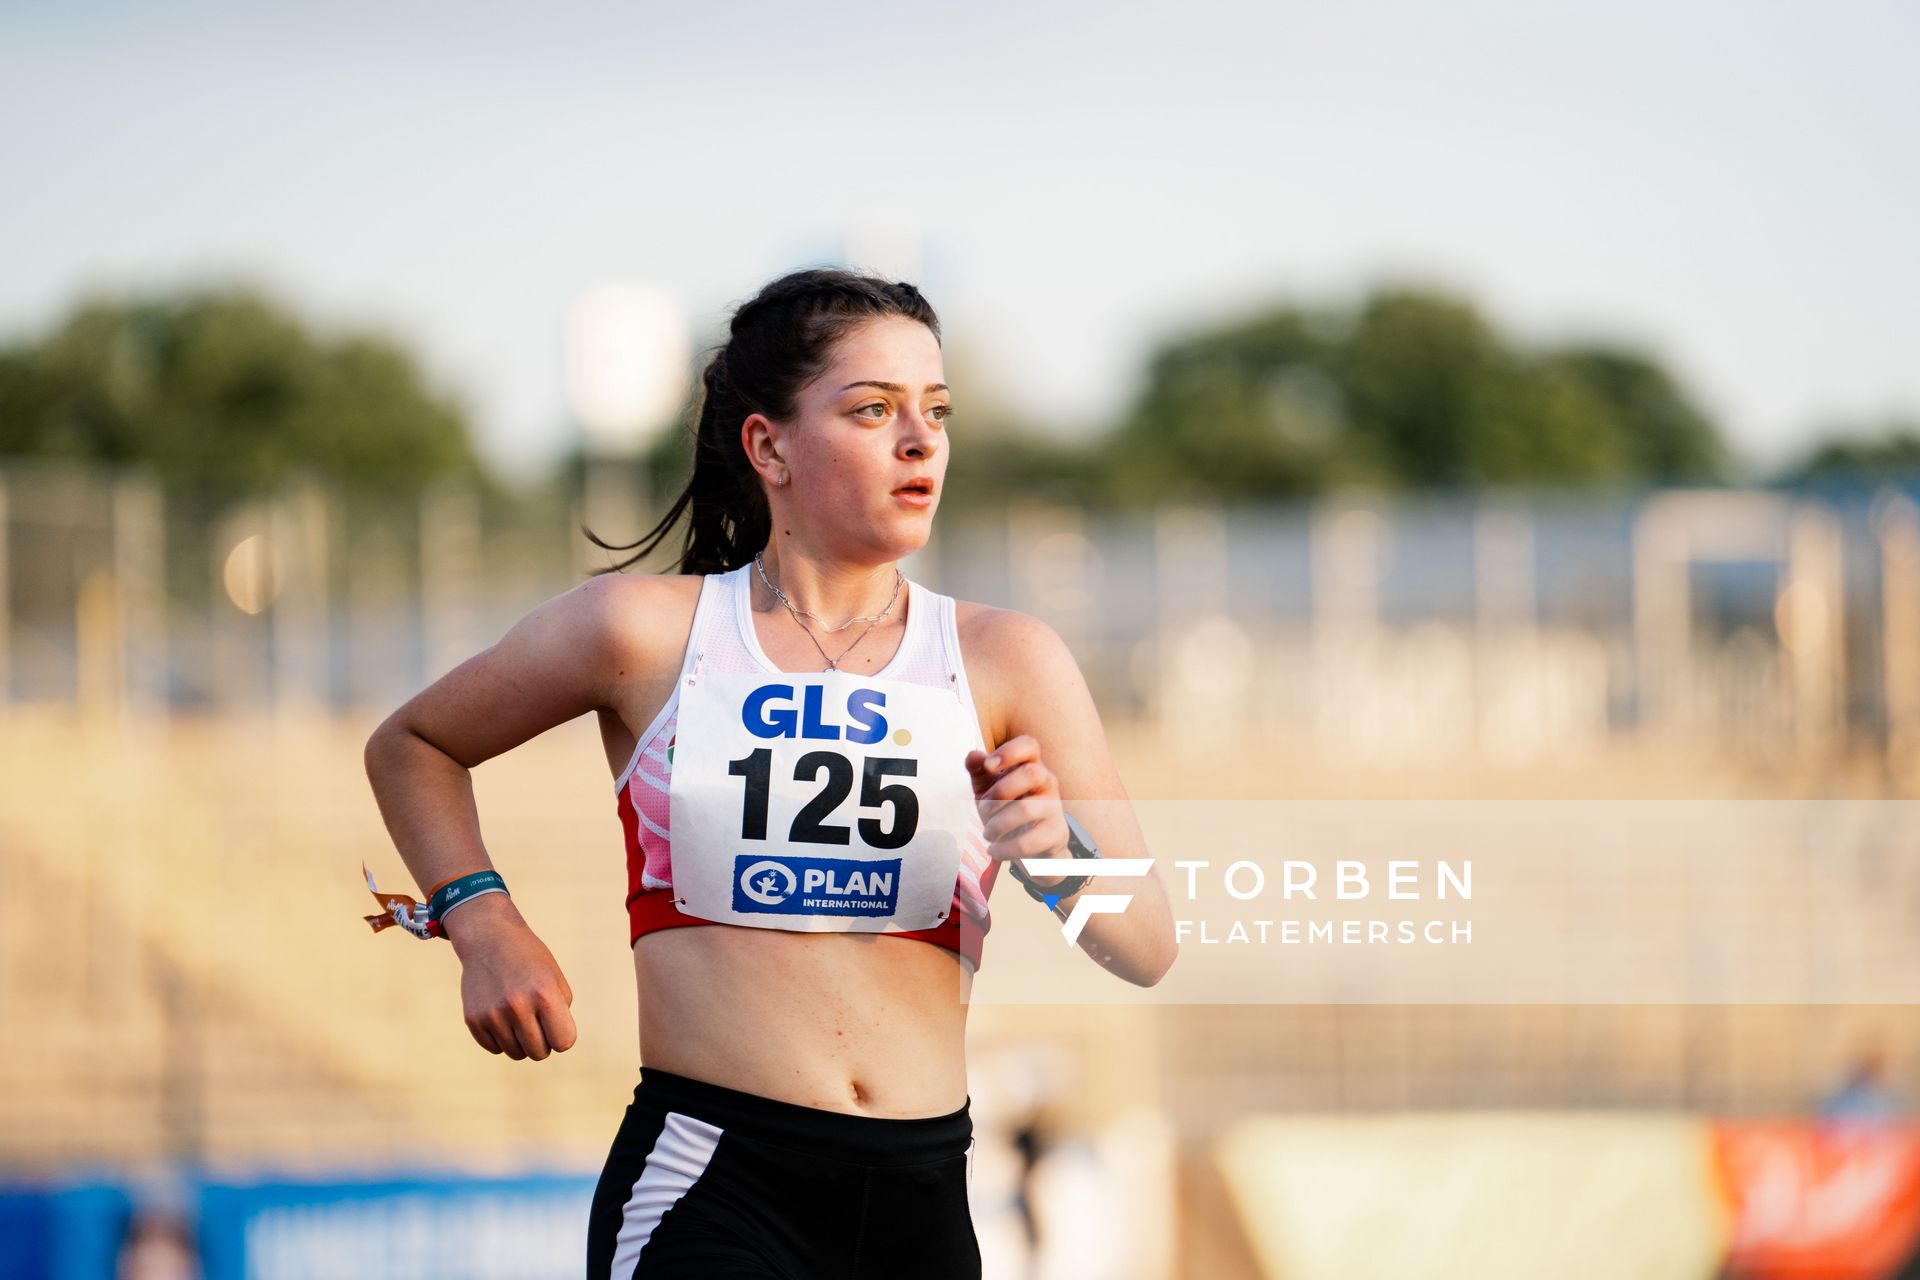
781	340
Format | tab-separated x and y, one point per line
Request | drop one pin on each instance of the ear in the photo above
760	439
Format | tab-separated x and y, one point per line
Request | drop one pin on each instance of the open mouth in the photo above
924	487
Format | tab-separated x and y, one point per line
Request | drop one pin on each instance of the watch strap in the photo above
1080	845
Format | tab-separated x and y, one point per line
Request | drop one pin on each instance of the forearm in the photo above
426	801
1136	944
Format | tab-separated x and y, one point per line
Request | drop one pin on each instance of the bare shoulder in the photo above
1009	655
637	619
590	648
1005	638
1036	688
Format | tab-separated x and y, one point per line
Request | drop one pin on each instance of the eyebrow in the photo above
894	387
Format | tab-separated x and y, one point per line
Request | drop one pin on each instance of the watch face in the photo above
1079	843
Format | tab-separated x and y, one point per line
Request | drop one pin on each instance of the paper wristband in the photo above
420	918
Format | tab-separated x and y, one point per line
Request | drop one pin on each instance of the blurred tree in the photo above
1412	388
1667	437
1890	451
224	392
1254	410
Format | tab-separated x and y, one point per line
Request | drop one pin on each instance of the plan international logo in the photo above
798	886
1087	905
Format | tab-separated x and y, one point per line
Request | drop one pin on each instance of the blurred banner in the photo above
1821	1202
437	1228
1485	1196
1477	1196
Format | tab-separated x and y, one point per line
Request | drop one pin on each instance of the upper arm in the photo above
1038	690
560	661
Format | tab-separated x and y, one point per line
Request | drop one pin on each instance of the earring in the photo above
782	480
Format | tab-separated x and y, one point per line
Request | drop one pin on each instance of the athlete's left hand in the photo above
1019	801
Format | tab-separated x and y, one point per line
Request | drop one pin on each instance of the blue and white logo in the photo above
802	886
768	713
767	882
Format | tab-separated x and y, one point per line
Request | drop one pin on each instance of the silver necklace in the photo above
833	664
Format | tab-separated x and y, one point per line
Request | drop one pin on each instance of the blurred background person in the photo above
1866	1094
158	1245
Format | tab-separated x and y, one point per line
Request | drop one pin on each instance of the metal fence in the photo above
1507	626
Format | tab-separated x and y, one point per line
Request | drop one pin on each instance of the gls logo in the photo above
1088	905
864	708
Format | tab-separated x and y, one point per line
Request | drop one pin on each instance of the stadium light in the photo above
628	348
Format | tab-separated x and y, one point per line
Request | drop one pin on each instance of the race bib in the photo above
820	802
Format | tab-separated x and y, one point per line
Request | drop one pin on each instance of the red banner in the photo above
1820	1201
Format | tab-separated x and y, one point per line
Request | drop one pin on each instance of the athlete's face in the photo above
874	421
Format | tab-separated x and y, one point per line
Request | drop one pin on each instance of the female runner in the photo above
802	1108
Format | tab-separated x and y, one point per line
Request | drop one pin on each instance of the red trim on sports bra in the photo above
651	909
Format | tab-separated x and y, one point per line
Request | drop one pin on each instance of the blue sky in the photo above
1735	185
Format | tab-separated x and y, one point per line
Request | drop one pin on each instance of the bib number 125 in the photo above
810	825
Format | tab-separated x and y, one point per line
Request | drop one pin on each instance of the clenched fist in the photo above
516	1000
1019	800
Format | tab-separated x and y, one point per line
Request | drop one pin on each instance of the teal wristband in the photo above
464	889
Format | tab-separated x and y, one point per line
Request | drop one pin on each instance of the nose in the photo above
920	437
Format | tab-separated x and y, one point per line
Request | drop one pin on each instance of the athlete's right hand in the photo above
516	999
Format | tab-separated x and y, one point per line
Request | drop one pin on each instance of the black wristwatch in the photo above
1080	845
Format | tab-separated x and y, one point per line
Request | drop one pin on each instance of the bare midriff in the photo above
859	1023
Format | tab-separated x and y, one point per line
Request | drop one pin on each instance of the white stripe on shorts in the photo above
679	1156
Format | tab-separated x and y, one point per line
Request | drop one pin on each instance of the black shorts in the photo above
710	1183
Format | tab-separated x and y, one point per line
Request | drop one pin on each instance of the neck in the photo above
833	591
